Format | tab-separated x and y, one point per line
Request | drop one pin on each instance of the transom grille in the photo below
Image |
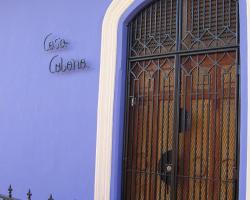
205	24
153	31
209	24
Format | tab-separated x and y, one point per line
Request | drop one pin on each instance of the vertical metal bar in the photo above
191	111
192	16
198	25
184	96
162	124
223	12
187	16
135	144
237	24
202	133
228	131
208	134
216	26
129	45
141	24
126	121
168	132
196	132
221	131
145	32
175	131
131	143
152	137
125	153
147	138
176	99
131	135
171	15
142	130
229	14
150	21
215	124
237	129
210	14
155	19
136	28
128	102
160	19
157	126
165	17
204	14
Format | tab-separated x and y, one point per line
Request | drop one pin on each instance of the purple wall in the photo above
48	121
119	99
243	99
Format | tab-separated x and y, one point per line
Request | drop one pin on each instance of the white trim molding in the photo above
106	98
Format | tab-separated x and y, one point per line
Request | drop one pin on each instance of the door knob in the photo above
165	167
168	168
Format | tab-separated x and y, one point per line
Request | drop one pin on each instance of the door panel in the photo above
206	144
207	151
181	127
151	118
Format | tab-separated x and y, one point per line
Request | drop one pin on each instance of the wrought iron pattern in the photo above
153	31
209	24
181	135
204	24
10	195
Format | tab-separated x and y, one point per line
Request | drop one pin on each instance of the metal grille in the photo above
181	127
209	24
153	31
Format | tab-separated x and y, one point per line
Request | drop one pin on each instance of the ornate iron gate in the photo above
181	138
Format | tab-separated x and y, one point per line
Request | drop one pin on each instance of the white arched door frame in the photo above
105	111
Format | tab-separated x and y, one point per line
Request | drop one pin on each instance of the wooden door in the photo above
181	127
207	159
151	109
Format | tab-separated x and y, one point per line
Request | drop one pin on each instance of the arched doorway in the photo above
182	106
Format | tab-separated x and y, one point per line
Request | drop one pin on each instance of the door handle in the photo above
184	120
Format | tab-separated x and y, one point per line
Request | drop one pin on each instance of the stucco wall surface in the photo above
48	121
